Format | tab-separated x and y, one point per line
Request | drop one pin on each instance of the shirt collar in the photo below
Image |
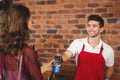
87	44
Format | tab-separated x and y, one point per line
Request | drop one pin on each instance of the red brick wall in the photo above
57	22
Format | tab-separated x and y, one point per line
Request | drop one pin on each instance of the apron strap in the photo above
101	50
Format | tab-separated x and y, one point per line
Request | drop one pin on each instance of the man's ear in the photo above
101	29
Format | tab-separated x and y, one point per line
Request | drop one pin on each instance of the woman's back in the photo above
9	66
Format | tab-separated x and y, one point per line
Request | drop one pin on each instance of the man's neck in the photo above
94	41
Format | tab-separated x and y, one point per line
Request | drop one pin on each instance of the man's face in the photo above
93	29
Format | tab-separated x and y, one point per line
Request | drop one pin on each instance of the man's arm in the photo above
67	55
109	71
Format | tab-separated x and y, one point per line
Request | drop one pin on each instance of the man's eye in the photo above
94	25
88	25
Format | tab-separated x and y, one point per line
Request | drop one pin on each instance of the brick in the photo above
107	4
107	15
104	37
98	0
83	21
113	31
32	31
75	31
63	11
73	21
87	10
35	7
68	16
46	17
117	4
41	41
62	1
85	1
51	31
41	12
117	38
49	50
61	50
108	26
117	26
84	32
93	5
63	31
36	17
80	16
101	10
54	41
41	3
112	20
47	46
57	46
36	36
81	36
68	26
32	12
47	26
36	26
75	11
57	16
69	36
104	32
51	12
38	22
69	6
114	10
117	15
65	46
58	26
112	42
57	36
81	6
74	1
32	40
63	41
57	7
80	26
51	22
51	2
40	31
47	36
61	21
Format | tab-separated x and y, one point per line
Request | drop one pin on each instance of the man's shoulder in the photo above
107	46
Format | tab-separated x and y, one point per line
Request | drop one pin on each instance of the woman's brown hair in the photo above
14	30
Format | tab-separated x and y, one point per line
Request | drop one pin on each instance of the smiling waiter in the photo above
92	54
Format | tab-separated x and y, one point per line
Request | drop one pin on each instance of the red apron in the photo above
90	66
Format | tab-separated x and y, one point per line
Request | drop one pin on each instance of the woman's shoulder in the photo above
28	49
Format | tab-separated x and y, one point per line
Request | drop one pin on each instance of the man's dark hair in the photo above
97	18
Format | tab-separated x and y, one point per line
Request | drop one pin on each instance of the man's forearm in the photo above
66	55
109	71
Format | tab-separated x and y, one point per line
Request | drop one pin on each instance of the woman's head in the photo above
16	18
15	27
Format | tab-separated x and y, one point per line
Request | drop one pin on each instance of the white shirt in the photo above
108	53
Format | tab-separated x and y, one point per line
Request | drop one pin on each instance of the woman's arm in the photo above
46	67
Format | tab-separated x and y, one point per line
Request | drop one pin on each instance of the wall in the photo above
57	22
